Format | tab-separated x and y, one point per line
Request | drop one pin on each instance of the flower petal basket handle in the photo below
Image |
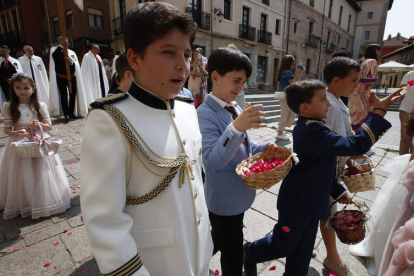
268	178
361	182
349	235
43	146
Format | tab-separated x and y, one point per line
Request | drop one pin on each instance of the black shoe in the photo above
66	119
249	267
73	117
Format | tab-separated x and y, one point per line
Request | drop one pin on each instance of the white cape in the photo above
90	74
40	76
81	107
385	209
18	66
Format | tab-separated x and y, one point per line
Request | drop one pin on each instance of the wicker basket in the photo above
26	148
268	178
350	235
363	181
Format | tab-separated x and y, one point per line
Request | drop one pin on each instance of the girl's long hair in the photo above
14	99
286	64
370	52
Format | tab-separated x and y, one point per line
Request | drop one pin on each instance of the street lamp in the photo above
219	14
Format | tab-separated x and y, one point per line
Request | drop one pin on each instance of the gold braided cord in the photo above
155	192
120	120
369	131
180	162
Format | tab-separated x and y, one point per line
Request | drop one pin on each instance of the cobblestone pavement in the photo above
58	245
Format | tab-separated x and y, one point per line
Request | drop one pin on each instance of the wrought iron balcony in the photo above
264	37
117	25
202	19
247	32
312	41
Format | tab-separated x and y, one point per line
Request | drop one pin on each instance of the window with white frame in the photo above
227	9
278	23
370	15
95	18
69	20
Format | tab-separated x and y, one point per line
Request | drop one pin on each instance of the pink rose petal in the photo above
70	233
272	268
333	273
82	270
55	267
28	246
64	231
16	248
216	272
46	265
56	243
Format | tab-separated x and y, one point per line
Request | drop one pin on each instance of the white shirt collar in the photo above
221	102
332	97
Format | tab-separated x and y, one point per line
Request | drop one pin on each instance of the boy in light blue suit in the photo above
225	143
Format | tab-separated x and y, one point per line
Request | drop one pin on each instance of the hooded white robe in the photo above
40	76
90	74
81	107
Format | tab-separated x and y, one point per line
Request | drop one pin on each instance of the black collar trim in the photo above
148	98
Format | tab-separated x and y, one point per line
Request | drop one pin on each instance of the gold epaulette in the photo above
128	268
99	103
321	123
183	98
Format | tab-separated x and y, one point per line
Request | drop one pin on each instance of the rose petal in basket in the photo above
268	178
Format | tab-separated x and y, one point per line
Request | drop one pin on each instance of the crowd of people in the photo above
160	194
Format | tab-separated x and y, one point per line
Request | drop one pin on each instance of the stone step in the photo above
270	107
271	113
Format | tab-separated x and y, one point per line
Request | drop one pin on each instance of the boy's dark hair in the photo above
339	67
301	92
118	52
225	59
122	65
340	53
148	22
286	64
370	51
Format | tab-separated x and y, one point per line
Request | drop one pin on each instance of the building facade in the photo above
404	55
393	43
256	27
370	24
83	28
17	19
317	29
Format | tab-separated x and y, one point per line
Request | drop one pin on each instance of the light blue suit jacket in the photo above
225	191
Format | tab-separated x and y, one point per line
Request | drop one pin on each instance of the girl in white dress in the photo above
38	186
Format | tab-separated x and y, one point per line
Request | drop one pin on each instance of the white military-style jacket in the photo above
168	235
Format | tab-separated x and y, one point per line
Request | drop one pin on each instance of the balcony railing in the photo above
264	37
202	19
247	32
312	41
117	25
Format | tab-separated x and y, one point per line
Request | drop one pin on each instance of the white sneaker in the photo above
282	137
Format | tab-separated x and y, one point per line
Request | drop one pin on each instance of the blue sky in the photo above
400	19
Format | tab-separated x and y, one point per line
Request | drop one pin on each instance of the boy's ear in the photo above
134	60
336	80
303	109
214	76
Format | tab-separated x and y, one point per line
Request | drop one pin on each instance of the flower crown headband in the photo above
16	75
